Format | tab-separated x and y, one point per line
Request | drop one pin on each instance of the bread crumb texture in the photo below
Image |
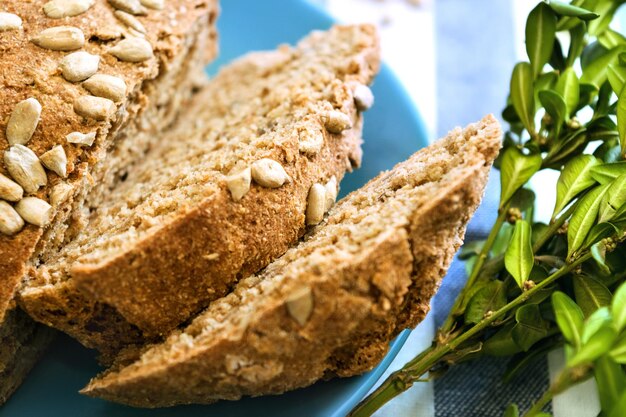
331	305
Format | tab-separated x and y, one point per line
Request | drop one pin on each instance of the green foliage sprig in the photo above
532	286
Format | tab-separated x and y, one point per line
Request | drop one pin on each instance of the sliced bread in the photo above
224	193
329	306
84	86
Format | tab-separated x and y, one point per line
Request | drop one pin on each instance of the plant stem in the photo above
404	378
538	406
448	325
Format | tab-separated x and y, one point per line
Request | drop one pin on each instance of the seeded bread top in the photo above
47	51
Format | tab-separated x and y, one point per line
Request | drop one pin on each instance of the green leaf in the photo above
618	308
511	411
610	39
599	232
566	9
575	178
611	381
519	258
621	119
516	169
617	76
577	43
595	322
569	317
591	294
530	327
543	82
606	173
502	239
569	88
522	95
491	297
540	34
598	252
618	353
614	198
555	106
597	346
470	249
596	72
606	9
584	218
501	343
617	410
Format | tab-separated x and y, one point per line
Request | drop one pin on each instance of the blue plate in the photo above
393	131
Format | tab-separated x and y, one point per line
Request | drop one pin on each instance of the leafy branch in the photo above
534	286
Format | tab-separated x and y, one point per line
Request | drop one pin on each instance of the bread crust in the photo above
252	346
27	70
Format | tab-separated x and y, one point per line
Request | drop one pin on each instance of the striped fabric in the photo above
459	54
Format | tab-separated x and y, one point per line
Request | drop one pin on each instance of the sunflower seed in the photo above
331	192
97	108
60	193
129	6
269	173
132	50
363	97
130	21
60	38
10	220
107	86
300	305
23	121
9	21
336	121
55	160
10	190
35	211
25	168
79	66
239	183
153	4
81	138
310	140
57	9
316	204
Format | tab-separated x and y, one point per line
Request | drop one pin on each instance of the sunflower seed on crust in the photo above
239	183
363	97
86	139
23	121
10	190
60	38
316	204
269	173
57	9
153	4
60	193
336	121
79	66
129	6
130	21
35	211
332	190
107	86
25	168
10	220
132	50
300	305
9	21
55	160
92	107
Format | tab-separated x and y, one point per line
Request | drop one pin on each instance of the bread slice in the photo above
175	235
22	341
329	306
45	52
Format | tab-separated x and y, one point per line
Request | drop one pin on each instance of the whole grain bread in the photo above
225	193
46	52
329	306
22	341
